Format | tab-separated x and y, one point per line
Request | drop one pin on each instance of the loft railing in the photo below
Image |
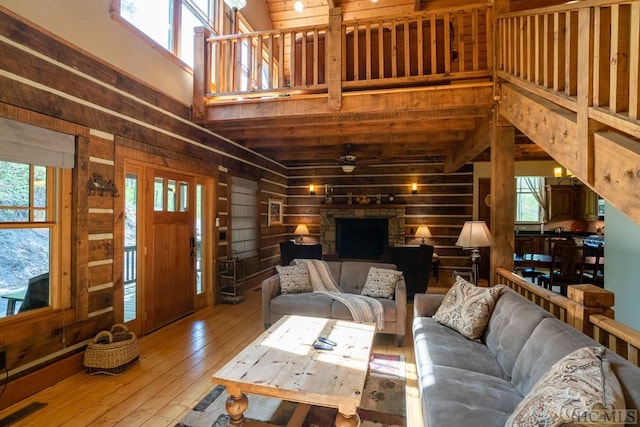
428	47
595	319
552	51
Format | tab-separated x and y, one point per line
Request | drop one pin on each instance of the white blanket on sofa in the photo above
363	309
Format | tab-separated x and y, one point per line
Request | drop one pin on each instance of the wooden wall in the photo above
48	83
443	202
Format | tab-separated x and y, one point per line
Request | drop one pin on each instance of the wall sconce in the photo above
423	233
559	175
557	172
301	230
312	189
414	188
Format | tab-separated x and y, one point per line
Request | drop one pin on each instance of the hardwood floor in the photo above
174	373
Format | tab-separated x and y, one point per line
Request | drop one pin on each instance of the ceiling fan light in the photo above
348	168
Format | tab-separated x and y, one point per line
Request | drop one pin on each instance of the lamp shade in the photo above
301	230
474	234
423	232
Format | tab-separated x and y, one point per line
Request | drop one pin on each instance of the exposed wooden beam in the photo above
376	101
478	142
436	137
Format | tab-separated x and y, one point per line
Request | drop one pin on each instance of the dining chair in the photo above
593	271
567	267
522	246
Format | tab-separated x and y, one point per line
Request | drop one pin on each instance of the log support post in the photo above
585	300
334	58
502	196
201	72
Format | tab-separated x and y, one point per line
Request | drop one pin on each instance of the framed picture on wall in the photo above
275	212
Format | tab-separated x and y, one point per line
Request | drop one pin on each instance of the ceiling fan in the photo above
348	160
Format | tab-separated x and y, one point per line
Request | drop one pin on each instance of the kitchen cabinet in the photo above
561	202
586	203
572	202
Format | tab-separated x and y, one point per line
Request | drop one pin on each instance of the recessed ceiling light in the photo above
298	6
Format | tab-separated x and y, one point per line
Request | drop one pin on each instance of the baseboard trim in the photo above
36	381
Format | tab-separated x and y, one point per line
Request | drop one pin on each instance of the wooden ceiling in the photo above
380	128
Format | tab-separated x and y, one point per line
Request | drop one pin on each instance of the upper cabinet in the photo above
572	202
586	203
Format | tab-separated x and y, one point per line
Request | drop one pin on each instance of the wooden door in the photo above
169	248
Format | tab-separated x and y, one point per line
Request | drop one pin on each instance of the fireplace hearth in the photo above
362	238
391	217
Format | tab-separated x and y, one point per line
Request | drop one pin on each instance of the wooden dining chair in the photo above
593	271
522	246
566	268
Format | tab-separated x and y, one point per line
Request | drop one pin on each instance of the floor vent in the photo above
21	413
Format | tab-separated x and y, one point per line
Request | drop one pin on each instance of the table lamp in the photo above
423	233
302	231
474	235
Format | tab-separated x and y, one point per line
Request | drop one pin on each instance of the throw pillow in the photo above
294	279
381	283
467	308
579	389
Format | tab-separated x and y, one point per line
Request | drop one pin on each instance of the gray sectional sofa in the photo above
351	277
469	383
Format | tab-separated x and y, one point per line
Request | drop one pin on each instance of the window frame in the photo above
528	191
59	222
176	21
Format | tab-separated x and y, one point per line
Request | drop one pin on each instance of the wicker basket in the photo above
112	352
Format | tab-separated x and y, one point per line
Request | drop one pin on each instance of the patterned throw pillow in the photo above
467	308
294	279
579	389
381	283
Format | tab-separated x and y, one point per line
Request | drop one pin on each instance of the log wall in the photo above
48	83
443	201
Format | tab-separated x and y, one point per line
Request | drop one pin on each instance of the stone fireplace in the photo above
394	215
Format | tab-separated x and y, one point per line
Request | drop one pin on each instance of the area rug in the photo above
383	402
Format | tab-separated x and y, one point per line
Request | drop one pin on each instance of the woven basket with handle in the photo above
111	352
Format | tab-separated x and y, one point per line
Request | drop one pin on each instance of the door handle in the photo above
192	246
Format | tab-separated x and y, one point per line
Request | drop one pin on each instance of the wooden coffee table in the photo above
282	363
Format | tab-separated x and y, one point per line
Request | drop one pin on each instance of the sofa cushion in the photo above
294	279
381	283
459	397
436	344
513	320
549	342
307	304
467	308
353	274
579	388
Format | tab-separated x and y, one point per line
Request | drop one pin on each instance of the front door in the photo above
170	248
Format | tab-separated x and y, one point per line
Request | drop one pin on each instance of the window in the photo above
170	23
529	199
30	235
244	217
35	217
251	53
